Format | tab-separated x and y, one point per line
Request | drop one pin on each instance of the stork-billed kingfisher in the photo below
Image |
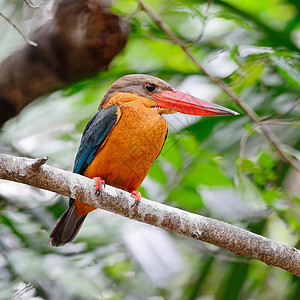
125	136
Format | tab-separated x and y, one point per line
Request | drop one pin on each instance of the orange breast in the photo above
131	147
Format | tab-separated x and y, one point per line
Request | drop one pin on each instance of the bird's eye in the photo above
150	87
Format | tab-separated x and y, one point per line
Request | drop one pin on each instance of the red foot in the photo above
99	184
137	197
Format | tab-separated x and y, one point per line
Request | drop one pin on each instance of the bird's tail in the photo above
67	227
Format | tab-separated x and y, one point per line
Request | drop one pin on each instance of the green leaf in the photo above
204	127
288	68
207	174
271	196
232	17
119	271
189	144
252	72
172	152
249	192
186	197
157	173
265	160
247	165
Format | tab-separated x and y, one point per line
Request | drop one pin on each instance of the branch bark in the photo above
239	241
81	39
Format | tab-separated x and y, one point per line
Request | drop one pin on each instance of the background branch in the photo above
225	88
26	39
81	39
33	6
221	234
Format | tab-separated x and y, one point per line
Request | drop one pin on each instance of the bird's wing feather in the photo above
94	135
163	143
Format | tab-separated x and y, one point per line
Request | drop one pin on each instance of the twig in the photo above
17	89
33	6
293	106
203	23
33	167
27	40
130	17
243	105
218	233
281	122
245	138
38	163
273	122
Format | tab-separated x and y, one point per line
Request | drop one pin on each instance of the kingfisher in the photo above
122	140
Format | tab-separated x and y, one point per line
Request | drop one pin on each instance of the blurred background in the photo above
204	167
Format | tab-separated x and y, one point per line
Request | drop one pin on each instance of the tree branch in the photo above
239	241
79	42
26	39
33	6
224	87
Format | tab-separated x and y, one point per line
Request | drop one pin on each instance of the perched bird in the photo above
121	141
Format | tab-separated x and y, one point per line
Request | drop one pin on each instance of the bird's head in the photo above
158	94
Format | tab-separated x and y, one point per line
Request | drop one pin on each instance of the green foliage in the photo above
289	67
253	46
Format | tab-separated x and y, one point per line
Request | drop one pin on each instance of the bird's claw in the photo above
137	197
99	184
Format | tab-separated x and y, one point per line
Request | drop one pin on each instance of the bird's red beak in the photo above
190	105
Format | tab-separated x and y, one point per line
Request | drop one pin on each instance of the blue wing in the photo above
94	135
